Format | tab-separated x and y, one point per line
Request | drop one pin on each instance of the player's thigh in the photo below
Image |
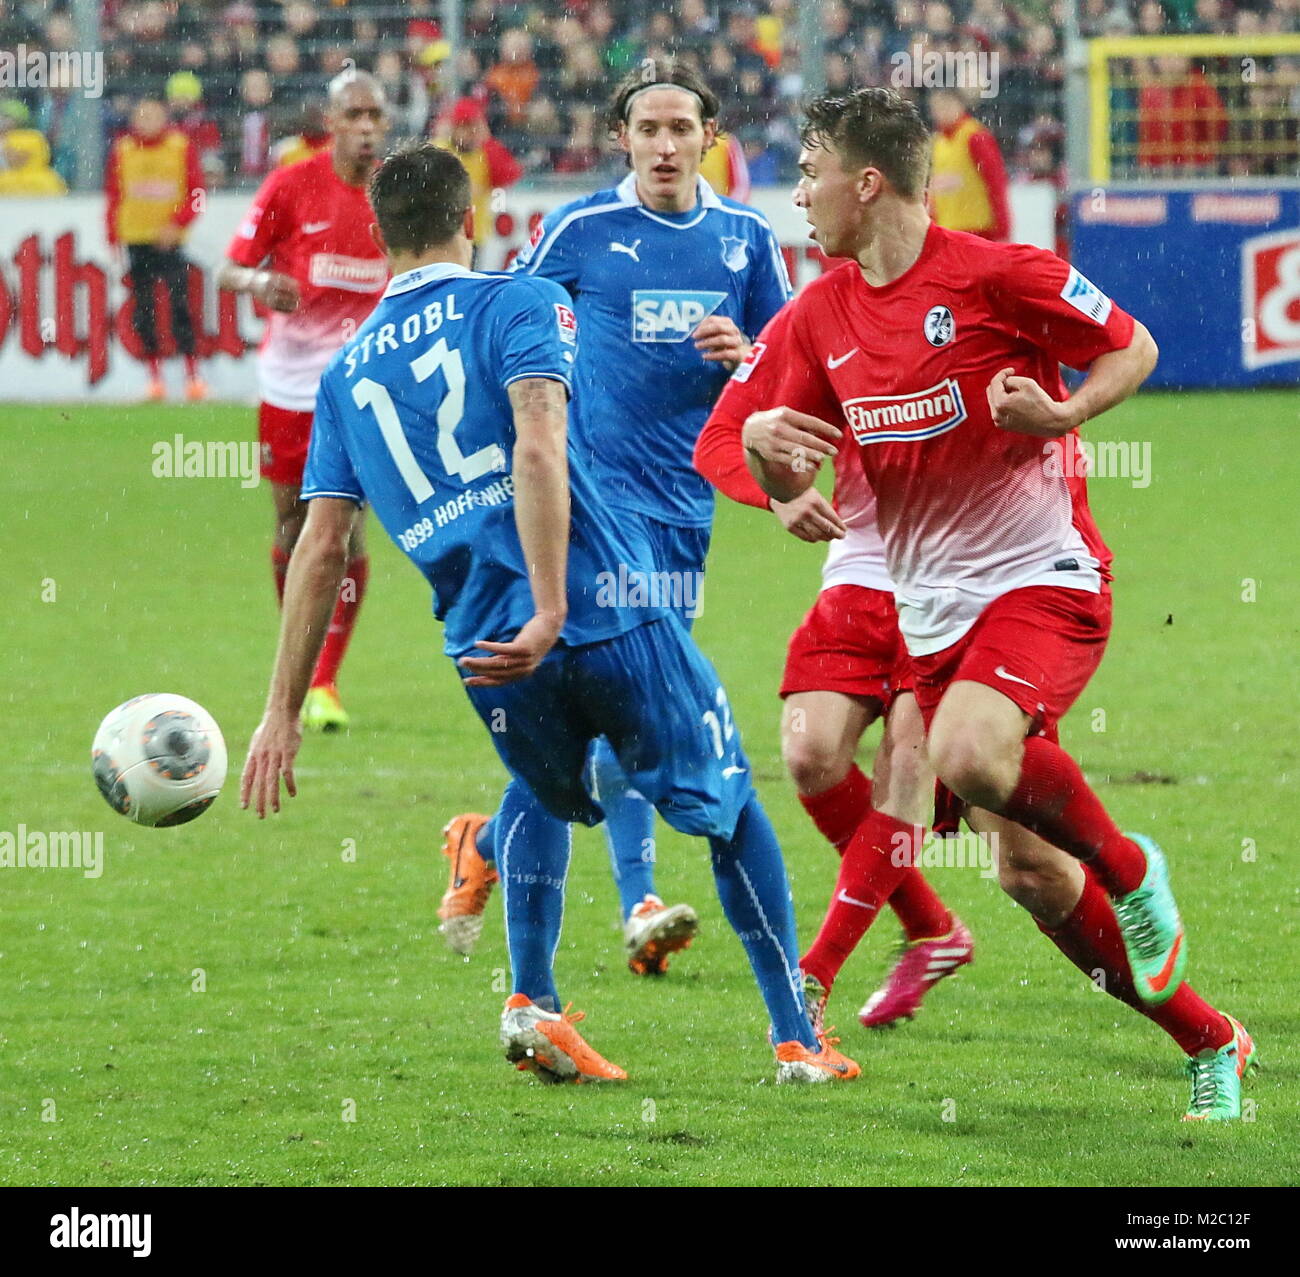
975	731
662	707
357	536
539	733
290	510
820	732
903	780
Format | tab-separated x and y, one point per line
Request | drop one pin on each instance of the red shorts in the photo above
284	436
849	642
1038	646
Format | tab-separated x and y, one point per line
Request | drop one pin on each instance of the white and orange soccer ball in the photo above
159	759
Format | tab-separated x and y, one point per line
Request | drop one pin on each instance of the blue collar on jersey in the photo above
708	198
422	275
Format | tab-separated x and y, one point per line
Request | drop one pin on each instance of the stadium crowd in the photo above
245	80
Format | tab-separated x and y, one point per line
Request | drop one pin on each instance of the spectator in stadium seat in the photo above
254	123
184	94
489	164
154	186
24	155
407	94
312	137
1152	19
581	153
582	77
514	78
968	180
1182	123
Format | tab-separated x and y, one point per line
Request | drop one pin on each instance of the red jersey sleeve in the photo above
779	372
268	221
1053	306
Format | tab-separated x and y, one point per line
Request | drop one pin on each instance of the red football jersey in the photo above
307	222
859	557
967	511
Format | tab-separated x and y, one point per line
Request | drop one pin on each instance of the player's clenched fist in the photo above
784	437
278	291
1021	405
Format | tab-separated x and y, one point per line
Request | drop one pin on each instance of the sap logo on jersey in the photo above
906	418
670	314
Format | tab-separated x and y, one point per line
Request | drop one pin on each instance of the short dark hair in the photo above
663	71
419	193
873	128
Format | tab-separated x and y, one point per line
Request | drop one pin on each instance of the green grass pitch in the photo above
335	1039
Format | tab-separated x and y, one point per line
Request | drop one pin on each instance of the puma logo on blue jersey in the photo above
670	314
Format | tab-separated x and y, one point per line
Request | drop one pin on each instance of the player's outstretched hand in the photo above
279	292
270	755
810	517
1021	405
510	662
796	440
720	342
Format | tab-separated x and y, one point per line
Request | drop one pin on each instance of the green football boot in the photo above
1152	930
1216	1077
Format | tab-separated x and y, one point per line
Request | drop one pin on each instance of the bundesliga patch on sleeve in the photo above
1086	297
567	322
248	227
746	365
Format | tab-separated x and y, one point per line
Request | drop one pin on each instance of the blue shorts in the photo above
652	694
673	557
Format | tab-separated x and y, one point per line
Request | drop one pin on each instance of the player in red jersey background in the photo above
305	251
933	356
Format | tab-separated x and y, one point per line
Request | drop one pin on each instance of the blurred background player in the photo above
154	186
306	253
968	180
465	417
1000	573
488	161
667	278
846	667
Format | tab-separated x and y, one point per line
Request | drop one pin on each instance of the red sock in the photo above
339	633
1090	938
868	876
838	812
280	567
1053	800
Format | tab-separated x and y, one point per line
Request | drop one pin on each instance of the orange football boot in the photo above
548	1045
469	885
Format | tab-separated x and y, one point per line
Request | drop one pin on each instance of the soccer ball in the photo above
159	759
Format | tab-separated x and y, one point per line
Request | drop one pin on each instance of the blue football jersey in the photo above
413	416
641	282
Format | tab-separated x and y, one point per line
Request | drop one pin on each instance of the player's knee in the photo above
970	769
814	765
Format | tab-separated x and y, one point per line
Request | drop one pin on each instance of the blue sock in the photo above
629	827
755	897
486	839
533	862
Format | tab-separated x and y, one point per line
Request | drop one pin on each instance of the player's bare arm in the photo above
315	573
271	288
720	342
810	517
784	450
1021	405
541	473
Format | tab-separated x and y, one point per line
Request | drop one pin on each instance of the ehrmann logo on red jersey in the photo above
906	418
